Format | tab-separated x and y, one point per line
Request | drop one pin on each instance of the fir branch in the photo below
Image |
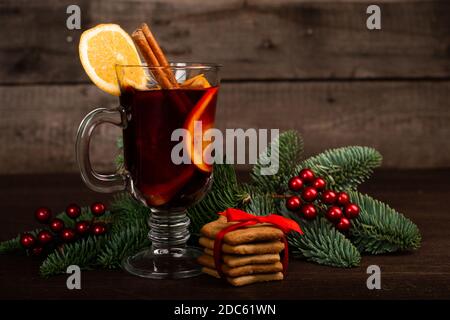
128	233
127	211
69	222
289	153
82	253
381	229
258	202
11	245
323	244
343	168
121	244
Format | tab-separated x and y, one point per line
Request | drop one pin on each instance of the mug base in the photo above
171	263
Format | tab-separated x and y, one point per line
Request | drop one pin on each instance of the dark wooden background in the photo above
309	65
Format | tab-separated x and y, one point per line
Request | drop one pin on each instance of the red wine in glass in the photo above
153	117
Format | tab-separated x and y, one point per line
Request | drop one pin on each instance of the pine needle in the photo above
323	244
122	244
290	150
10	246
381	229
343	168
82	253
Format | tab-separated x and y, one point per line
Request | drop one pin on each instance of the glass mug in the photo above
148	116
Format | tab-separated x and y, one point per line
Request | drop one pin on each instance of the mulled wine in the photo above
159	102
153	115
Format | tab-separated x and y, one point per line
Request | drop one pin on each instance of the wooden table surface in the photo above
425	274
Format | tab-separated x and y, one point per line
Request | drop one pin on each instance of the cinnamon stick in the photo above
153	55
157	51
151	59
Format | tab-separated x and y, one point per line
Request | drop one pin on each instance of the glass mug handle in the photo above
96	181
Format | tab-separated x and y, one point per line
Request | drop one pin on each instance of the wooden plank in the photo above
284	39
39	126
407	121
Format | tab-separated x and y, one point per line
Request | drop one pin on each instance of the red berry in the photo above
343	225
67	234
309	194
73	211
306	175
82	227
293	203
44	237
27	240
351	211
319	184
309	211
295	183
37	251
329	197
98	209
98	228
334	213
343	198
43	214
56	225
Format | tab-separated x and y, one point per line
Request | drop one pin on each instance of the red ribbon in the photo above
245	219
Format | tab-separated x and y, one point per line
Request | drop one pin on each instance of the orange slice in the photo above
104	46
198	82
198	114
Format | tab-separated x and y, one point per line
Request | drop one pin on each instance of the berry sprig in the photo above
311	193
58	233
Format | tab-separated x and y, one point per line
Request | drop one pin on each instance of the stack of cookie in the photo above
249	255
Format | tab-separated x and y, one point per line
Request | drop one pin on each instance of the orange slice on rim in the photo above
195	144
104	46
199	81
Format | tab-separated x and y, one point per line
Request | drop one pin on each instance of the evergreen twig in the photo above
323	244
290	150
343	168
121	244
82	253
11	245
381	229
258	202
128	211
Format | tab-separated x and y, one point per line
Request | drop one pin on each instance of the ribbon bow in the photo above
245	219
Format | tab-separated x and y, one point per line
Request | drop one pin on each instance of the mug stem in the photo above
168	229
169	257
